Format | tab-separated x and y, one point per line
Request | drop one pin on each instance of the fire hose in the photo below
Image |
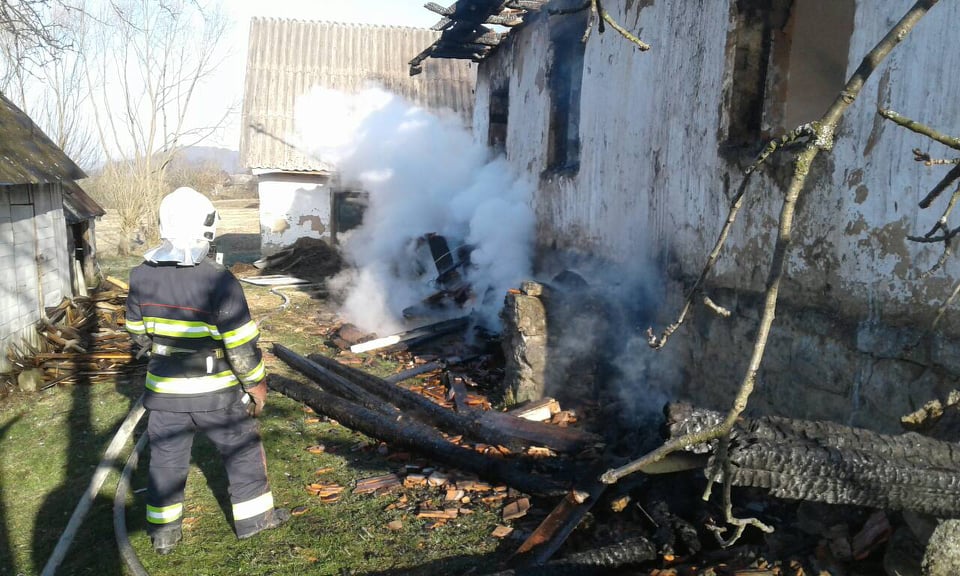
127	552
96	482
111	454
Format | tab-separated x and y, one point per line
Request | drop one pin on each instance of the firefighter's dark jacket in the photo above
204	342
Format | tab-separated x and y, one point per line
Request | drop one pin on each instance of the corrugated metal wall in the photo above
287	58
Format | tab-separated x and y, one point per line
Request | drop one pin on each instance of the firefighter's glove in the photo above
145	343
258	398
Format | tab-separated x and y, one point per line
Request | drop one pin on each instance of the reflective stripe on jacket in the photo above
198	316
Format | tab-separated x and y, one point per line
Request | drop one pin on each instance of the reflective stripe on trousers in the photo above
237	438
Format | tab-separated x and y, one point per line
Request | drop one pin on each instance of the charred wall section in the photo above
655	180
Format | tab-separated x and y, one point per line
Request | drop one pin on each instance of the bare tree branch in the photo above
596	9
735	204
920	128
822	142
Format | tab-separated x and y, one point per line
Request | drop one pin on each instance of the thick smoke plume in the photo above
425	174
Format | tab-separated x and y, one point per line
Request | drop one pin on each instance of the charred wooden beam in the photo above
488	39
487	426
603	560
332	382
835	464
421	334
526	4
442	25
544	542
438	9
405	432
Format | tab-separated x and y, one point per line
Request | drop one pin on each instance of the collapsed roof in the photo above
465	33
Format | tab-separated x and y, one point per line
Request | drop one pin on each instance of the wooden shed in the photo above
44	218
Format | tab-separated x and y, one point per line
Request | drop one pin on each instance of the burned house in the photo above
638	154
300	195
47	224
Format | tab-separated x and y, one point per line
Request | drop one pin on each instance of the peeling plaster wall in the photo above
655	181
292	207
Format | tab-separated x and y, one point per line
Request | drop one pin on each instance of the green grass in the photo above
50	443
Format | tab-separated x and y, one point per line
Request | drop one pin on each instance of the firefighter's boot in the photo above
274	518
164	541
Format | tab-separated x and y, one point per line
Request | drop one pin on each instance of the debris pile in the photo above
309	259
545	487
81	341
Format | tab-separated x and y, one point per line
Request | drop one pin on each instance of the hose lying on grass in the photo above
96	482
127	552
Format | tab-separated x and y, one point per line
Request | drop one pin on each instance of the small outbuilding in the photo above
300	196
46	227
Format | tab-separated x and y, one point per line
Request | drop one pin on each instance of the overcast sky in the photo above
227	86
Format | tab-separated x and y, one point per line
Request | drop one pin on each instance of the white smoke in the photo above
425	174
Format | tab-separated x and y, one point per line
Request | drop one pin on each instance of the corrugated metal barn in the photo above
288	58
44	218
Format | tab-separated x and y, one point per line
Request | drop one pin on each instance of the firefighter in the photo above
205	371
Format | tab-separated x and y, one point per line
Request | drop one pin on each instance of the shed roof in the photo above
78	205
287	58
465	29
27	155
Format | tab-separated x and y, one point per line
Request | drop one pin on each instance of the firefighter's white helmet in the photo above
187	215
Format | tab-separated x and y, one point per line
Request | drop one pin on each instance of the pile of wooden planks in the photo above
82	341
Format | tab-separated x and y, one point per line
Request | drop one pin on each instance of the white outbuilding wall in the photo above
664	137
292	206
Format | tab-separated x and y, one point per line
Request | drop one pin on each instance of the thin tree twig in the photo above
641	45
823	141
919	128
597	8
947	238
803	131
718	309
740	524
736	203
952	176
943	309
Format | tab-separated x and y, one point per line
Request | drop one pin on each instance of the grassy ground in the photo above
50	443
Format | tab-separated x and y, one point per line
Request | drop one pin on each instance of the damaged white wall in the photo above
657	170
292	206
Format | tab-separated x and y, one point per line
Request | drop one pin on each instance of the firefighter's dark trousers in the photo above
236	436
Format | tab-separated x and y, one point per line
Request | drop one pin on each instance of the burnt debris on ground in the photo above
310	259
446	408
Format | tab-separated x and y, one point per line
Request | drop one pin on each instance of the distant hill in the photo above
226	160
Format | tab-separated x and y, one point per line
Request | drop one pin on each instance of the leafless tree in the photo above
40	70
149	57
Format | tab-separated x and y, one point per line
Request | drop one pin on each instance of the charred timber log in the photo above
410	434
621	555
322	370
550	535
332	382
486	426
835	464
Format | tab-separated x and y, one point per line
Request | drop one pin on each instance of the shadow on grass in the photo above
465	564
92	550
6	551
